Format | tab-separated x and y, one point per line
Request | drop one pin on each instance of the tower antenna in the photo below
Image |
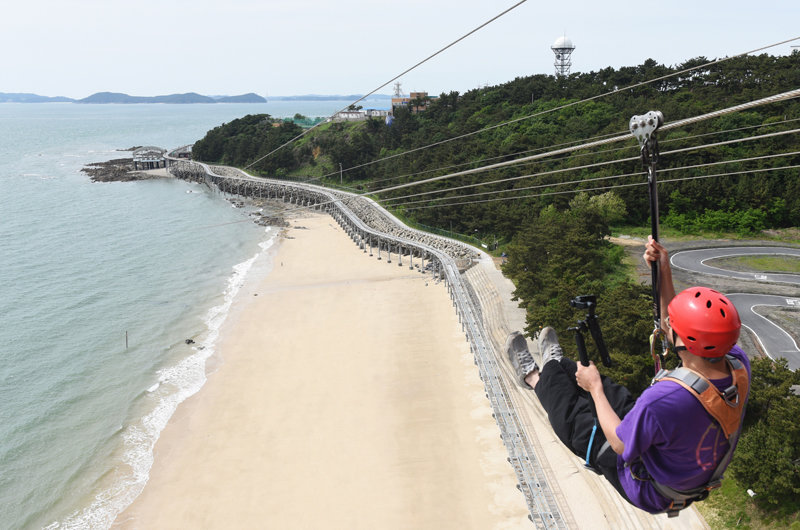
563	48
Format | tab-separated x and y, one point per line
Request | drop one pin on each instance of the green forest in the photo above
552	217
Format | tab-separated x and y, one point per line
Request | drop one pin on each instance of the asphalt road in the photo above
695	261
773	338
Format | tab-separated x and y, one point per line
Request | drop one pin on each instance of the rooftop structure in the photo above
416	101
563	48
149	157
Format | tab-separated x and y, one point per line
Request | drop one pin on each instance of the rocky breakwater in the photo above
227	171
187	170
118	170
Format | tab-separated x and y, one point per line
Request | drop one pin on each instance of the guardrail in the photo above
541	503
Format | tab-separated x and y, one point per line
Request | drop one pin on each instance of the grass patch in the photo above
731	507
628	268
788	264
322	167
784	235
400	214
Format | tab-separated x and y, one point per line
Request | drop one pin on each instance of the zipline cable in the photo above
680	123
561	107
537	149
596	164
393	79
662	142
628	185
770	99
388	179
592	179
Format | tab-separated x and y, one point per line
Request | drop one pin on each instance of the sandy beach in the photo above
343	395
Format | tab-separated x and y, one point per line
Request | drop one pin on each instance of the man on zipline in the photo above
669	447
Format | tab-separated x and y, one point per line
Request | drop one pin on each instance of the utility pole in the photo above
340	173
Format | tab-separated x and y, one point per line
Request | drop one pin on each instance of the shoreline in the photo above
177	381
373	416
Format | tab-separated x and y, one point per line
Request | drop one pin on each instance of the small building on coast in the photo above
360	115
350	115
149	157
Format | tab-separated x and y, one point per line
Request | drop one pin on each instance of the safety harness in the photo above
726	407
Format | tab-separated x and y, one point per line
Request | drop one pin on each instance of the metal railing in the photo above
544	512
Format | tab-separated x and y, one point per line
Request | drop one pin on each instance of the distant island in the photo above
17	97
117	97
188	98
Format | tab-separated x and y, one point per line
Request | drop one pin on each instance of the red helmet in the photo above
706	320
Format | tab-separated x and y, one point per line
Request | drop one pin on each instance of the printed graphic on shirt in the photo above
710	447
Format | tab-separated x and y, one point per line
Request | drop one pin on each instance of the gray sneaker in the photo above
549	348
520	357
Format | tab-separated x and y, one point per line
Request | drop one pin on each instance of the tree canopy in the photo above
742	203
555	214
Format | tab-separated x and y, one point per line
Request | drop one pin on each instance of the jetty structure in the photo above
149	157
379	234
482	299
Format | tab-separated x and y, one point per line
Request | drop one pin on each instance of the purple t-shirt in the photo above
670	434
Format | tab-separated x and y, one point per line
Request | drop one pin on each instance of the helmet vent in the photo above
697	294
692	339
708	304
723	301
722	311
709	347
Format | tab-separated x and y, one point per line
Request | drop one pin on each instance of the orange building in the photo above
413	97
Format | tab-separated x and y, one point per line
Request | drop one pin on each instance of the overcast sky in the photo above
288	47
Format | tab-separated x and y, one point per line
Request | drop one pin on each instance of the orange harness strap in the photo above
725	407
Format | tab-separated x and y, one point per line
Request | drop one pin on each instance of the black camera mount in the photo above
589	302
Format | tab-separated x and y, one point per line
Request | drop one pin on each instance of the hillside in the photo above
250	97
734	175
773	201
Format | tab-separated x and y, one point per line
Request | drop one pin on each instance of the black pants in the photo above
569	409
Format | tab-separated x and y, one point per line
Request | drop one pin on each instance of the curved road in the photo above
695	261
774	339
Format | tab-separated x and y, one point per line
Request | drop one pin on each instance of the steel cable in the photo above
680	123
589	166
562	107
628	185
392	79
662	142
593	179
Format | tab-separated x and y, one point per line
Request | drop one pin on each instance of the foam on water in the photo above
175	384
83	264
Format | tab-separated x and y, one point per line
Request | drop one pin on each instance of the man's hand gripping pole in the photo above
644	129
589	302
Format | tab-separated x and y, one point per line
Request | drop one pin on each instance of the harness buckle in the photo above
675	507
731	395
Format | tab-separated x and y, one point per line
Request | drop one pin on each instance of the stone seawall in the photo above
232	180
375	231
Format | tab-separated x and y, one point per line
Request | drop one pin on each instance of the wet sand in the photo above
344	395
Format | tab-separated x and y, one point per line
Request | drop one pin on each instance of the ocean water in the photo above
85	267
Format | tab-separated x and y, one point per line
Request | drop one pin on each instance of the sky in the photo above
281	47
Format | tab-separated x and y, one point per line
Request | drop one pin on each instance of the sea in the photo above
101	287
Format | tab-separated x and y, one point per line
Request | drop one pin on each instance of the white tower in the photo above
563	49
